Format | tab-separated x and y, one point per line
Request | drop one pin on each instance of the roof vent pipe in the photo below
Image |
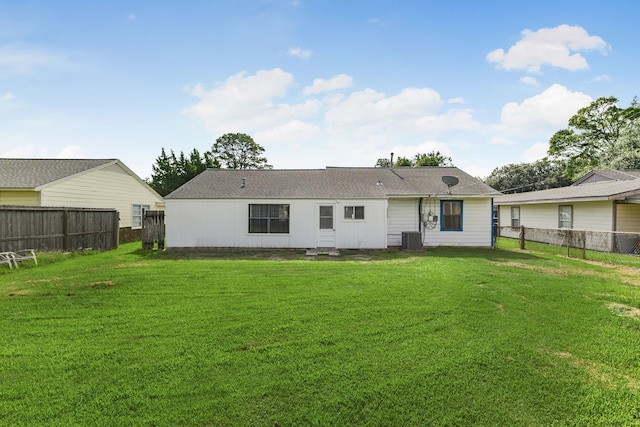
391	162
244	183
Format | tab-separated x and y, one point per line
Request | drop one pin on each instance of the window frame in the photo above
323	223
273	213
444	217
515	220
354	214
561	221
142	208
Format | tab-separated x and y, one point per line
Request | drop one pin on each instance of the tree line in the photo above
599	136
231	150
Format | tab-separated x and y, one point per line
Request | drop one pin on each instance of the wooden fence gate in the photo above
153	229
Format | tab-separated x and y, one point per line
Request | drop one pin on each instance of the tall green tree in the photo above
592	132
171	171
432	158
625	152
239	151
523	177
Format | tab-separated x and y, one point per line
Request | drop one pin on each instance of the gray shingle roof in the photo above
608	174
605	190
32	173
363	183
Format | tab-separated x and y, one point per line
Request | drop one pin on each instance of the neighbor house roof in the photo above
33	173
608	175
599	184
604	190
332	182
36	174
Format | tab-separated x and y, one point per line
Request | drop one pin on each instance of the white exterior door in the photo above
326	233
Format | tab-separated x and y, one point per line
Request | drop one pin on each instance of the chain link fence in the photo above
576	242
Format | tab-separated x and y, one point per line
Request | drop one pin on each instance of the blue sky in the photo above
316	83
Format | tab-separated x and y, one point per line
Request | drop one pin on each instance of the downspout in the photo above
614	224
493	227
420	215
423	236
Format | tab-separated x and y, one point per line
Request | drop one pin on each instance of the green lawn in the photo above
442	337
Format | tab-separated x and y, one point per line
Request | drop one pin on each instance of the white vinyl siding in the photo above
223	223
477	226
402	216
111	187
596	216
628	218
477	220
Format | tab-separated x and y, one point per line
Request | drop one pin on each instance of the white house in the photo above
602	200
348	208
79	183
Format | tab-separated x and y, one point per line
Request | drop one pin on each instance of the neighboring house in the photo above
348	208
602	200
82	183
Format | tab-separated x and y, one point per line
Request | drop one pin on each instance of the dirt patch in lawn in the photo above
102	284
599	372
21	293
547	270
629	275
625	310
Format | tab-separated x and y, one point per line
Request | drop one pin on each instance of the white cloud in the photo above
409	151
377	21
25	151
376	109
245	103
340	81
457	100
536	152
24	60
556	47
6	97
530	81
501	140
131	17
601	78
71	152
545	112
300	53
358	125
293	132
452	119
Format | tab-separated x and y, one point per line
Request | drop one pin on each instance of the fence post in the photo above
522	237
65	230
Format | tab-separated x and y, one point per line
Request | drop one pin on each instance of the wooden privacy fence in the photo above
57	229
153	229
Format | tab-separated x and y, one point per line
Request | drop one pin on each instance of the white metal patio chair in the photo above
7	258
23	255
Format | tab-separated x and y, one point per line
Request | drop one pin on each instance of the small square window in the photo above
565	216
515	216
451	213
137	211
354	212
